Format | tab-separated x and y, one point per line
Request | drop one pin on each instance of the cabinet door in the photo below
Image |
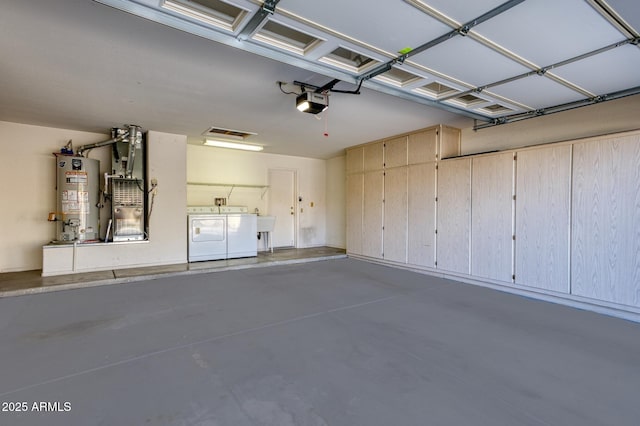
372	214
492	217
355	160
395	152
373	156
395	214
421	217
605	236
355	193
454	215
543	198
449	142
422	146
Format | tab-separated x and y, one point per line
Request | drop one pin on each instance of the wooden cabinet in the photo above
560	218
448	142
543	203
372	214
355	160
421	215
492	217
354	202
454	215
435	143
605	232
422	146
395	152
397	213
373	156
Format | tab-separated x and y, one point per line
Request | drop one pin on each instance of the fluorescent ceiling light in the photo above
232	145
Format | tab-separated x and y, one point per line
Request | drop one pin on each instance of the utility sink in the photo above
266	223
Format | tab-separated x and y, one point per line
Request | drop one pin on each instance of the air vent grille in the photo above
220	132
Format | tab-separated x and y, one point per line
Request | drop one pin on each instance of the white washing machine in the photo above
223	232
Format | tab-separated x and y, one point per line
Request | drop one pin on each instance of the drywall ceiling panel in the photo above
467	60
606	72
390	26
629	10
550	31
462	11
537	92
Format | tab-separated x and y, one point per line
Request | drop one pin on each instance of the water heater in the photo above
78	182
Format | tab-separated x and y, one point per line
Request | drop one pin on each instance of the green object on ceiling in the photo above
405	50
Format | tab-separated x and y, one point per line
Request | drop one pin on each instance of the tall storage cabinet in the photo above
454	215
394	216
492	216
421	215
372	215
543	206
395	200
355	189
559	219
605	232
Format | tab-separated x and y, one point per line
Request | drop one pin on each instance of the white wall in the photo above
336	202
28	190
167	156
219	165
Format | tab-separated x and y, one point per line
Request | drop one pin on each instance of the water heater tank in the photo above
78	182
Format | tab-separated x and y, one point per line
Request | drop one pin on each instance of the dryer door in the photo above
207	238
204	230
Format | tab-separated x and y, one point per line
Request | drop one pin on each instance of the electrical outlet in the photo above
154	182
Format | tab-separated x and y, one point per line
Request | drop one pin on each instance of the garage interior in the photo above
437	222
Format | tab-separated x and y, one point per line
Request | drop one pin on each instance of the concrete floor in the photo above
30	282
335	342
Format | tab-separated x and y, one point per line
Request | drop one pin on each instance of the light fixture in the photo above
312	102
232	145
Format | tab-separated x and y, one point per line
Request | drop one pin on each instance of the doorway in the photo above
282	205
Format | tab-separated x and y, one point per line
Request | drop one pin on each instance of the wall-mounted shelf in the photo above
232	186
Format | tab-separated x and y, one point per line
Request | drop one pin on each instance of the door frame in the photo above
295	203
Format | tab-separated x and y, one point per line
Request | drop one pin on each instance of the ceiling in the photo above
182	66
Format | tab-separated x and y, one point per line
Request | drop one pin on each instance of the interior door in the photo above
282	205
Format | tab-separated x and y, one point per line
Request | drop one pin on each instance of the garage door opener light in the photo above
312	102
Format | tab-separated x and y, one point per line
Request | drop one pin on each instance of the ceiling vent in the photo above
218	132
